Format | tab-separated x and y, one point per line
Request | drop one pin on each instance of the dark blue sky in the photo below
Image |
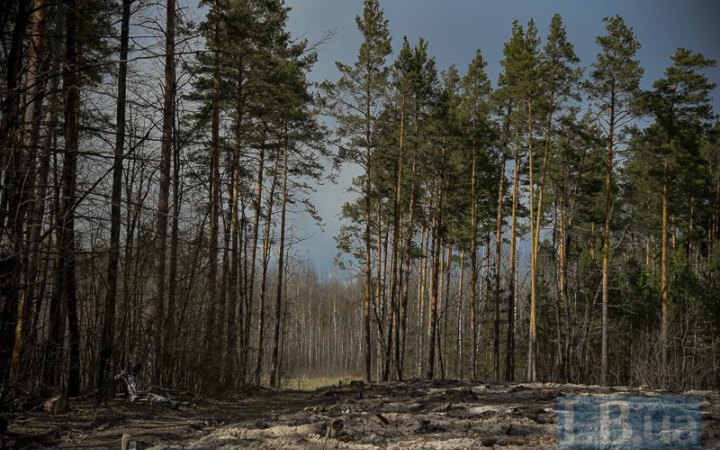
456	28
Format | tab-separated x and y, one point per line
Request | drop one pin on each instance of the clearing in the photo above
394	415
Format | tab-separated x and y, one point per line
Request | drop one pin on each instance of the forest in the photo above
557	224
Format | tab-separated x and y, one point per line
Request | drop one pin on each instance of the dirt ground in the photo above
409	415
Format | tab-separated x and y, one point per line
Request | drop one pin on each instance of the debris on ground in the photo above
439	415
56	405
138	396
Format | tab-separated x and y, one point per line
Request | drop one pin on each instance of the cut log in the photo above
56	405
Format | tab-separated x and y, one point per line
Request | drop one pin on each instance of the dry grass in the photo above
309	383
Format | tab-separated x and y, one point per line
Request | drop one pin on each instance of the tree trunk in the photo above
562	284
534	245
474	265
30	139
250	283
275	370
213	231
368	244
396	243
235	230
510	352
263	277
171	348
14	167
498	264
106	340
664	289
606	245
405	268
65	276
422	282
435	295
164	186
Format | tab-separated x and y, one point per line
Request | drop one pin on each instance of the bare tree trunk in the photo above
233	205
445	306
510	353
606	246
385	335
30	138
422	282
664	289
562	285
368	244
250	283
263	277
435	296
9	170
164	194
432	308
65	270
14	168
474	264
394	288
213	231
405	270
275	370
107	335
459	319
498	264
532	338
171	347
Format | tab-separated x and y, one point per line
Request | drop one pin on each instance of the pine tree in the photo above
476	108
613	86
560	79
519	90
356	98
681	106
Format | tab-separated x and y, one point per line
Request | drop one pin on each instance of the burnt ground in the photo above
414	414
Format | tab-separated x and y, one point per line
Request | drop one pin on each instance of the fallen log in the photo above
135	395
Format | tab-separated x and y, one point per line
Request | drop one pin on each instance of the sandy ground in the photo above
409	415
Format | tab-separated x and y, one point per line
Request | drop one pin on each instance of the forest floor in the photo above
408	415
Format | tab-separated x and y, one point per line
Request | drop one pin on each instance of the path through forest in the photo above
415	414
